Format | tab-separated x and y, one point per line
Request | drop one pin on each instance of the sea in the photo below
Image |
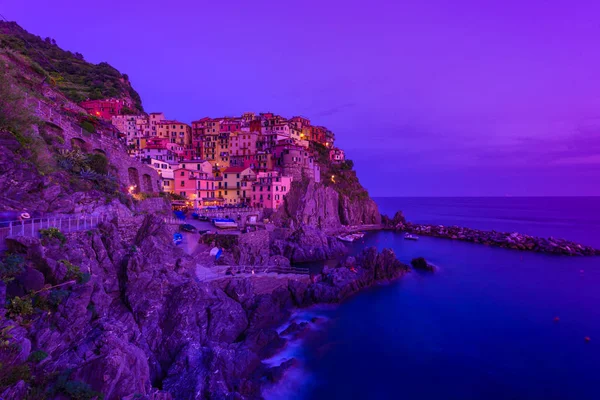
489	324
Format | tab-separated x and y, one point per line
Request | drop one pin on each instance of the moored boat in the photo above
408	236
224	223
350	237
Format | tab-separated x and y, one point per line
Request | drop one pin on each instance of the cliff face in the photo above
54	158
74	77
127	317
324	207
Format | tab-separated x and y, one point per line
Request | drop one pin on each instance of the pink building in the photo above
207	186
185	183
269	189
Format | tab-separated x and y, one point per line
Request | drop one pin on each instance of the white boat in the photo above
408	236
224	223
350	237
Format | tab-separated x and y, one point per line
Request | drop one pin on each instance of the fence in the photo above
33	226
270	268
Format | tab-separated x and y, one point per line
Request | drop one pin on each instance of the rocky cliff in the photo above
327	208
68	72
99	315
55	158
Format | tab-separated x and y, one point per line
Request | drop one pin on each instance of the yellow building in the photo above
234	188
175	132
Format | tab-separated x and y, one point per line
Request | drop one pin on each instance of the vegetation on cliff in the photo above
73	76
339	176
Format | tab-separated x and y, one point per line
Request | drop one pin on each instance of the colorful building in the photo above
233	177
185	183
336	155
165	172
269	189
197	165
105	108
177	132
127	126
207	186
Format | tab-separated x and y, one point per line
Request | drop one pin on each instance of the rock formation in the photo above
128	318
422	264
324	207
517	241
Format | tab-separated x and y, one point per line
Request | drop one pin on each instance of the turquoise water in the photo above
482	327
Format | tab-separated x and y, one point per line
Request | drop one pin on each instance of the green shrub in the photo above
5	336
37	356
11	375
88	127
347	165
76	390
53	233
56	296
19	306
73	271
98	163
11	266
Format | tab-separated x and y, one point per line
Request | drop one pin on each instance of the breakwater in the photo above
510	240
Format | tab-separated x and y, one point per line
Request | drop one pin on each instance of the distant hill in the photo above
76	78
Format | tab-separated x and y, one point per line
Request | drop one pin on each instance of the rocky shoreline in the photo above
129	319
516	241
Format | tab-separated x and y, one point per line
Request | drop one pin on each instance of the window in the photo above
182	173
268	197
226	177
226	193
182	183
238	176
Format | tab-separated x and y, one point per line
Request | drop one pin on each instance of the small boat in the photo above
224	223
345	238
351	237
359	235
408	236
177	238
195	215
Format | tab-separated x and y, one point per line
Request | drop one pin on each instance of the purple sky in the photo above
434	98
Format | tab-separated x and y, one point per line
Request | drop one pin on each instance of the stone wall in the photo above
129	170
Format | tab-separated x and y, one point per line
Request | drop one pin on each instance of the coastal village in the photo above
250	160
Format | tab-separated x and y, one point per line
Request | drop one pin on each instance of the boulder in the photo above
421	264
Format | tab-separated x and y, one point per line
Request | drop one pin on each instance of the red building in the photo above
105	108
230	125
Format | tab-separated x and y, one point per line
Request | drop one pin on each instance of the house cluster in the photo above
251	159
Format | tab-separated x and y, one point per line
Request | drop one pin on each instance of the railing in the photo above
32	227
267	269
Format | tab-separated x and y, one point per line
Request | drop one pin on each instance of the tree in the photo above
348	165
